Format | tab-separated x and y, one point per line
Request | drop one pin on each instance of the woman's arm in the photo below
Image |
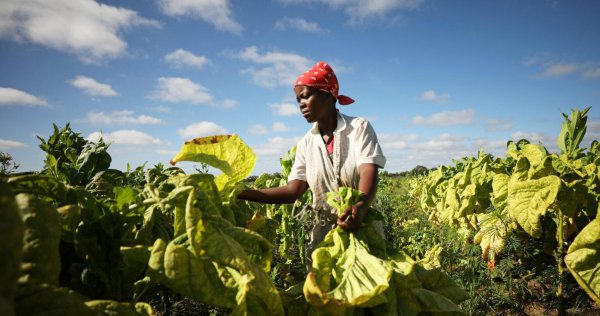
352	218
284	194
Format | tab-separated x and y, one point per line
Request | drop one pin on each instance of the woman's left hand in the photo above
352	218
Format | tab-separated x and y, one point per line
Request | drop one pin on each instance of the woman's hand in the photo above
352	218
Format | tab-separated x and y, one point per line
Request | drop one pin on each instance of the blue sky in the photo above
437	79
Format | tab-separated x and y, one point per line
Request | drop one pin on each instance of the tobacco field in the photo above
511	235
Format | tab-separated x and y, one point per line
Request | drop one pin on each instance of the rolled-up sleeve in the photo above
367	147
298	171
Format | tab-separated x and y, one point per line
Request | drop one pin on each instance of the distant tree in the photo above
419	170
7	164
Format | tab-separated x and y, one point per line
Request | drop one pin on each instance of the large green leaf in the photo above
113	308
41	239
451	206
39	184
11	234
438	282
345	274
535	154
500	190
244	253
185	273
227	153
583	259
416	290
47	300
529	200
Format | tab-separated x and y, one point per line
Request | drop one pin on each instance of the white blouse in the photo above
354	143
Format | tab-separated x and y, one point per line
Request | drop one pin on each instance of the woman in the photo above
337	151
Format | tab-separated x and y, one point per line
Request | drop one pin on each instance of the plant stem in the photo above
559	262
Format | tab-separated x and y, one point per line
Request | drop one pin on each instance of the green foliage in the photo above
287	224
348	271
355	272
7	164
72	159
583	259
41	260
548	197
11	234
344	198
572	132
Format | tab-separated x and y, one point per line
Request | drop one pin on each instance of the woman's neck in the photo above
328	124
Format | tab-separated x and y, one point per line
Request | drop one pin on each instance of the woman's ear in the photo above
332	100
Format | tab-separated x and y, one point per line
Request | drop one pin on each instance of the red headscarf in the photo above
322	77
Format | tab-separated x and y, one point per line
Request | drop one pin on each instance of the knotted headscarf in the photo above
322	77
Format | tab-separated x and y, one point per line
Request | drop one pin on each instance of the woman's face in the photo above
314	104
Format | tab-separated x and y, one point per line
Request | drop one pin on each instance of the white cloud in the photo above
432	96
215	12
276	147
86	28
445	118
280	127
558	70
10	96
443	143
92	87
593	126
393	141
125	137
549	141
298	24
494	125
182	58
549	67
202	129
591	73
362	9
226	104
162	109
359	10
8	144
273	68
404	152
592	133
258	130
177	90
167	152
120	118
495	147
284	109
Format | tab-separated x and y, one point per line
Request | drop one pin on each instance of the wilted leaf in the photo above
345	274
583	259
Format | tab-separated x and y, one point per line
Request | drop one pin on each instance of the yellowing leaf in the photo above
500	190
583	259
227	153
529	200
491	235
345	274
182	271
